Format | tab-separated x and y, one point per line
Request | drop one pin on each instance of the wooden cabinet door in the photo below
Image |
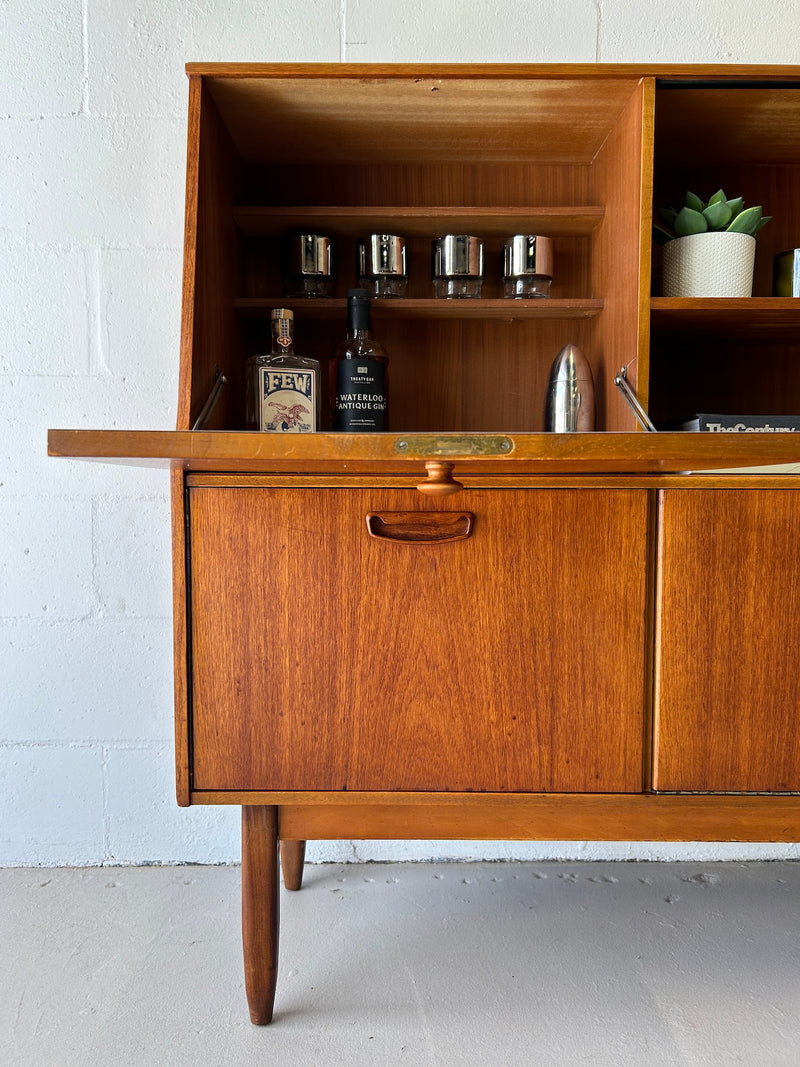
325	658
728	656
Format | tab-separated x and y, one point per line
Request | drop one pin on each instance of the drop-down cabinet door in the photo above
728	649
373	639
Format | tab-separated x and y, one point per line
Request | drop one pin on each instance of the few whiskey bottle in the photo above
283	394
359	373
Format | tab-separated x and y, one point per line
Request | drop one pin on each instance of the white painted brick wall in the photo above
96	678
472	31
41	44
92	155
51	804
133	575
47	558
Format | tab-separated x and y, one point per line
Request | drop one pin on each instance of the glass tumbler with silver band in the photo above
527	266
309	266
457	266
381	265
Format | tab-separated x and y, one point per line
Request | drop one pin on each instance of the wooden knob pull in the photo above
440	479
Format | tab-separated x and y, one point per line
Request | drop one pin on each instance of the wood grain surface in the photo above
542	453
260	909
552	817
727	650
326	659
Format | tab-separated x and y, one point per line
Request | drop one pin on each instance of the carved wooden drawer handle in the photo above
420	527
440	479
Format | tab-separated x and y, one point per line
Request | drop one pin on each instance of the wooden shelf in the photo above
761	318
419	221
259	307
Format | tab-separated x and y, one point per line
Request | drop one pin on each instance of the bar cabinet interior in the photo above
422	156
579	638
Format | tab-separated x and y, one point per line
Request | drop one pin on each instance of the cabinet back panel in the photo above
474	376
324	658
418	185
719	376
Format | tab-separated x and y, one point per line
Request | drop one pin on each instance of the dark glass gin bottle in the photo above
359	373
283	389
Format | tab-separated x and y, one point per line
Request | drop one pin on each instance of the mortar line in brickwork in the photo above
96	330
105	845
84	108
6	744
94	532
105	746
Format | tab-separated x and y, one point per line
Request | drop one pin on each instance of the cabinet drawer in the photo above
509	657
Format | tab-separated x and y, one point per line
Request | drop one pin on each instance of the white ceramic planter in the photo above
709	264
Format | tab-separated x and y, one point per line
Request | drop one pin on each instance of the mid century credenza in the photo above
466	627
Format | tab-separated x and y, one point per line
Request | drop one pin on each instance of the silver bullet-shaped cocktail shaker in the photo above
570	393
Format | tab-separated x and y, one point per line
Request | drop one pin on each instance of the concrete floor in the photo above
422	964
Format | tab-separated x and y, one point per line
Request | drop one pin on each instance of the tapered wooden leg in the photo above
293	854
260	914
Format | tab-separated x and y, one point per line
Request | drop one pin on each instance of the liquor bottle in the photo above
283	390
359	373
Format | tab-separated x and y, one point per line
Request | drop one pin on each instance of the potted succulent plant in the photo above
709	248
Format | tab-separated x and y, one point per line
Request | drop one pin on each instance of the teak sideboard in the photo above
467	627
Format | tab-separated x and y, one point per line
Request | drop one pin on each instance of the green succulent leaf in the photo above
748	221
736	206
690	221
718	214
762	224
719	197
668	216
693	202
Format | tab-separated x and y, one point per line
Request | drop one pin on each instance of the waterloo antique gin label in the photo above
361	395
287	400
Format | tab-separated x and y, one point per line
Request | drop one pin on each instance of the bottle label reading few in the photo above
288	400
361	395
